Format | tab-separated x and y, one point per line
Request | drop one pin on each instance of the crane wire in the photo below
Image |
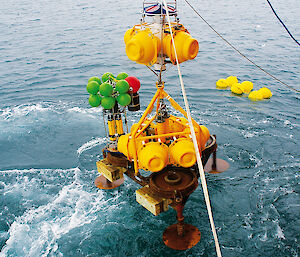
199	162
239	52
283	23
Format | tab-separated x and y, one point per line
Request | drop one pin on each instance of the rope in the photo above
282	23
199	162
152	70
239	52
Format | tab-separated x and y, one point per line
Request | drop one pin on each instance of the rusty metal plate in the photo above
219	167
166	182
189	239
102	183
117	160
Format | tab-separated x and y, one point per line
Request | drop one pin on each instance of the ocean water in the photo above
50	138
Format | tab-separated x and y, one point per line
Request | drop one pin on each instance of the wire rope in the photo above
239	52
199	162
283	23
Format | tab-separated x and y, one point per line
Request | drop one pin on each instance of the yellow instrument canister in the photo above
119	125
186	46
153	156
182	152
125	146
142	48
162	128
111	127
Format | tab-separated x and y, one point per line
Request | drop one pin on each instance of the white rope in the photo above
199	162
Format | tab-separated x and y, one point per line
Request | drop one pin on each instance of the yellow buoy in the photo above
128	35
221	83
187	47
236	89
153	156
182	152
125	146
204	136
265	92
142	47
255	96
175	124
246	86
231	80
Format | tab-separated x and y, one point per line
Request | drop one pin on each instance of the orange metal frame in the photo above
160	94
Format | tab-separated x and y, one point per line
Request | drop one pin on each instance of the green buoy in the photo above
122	75
95	100
106	76
95	79
108	102
124	99
92	87
122	86
106	89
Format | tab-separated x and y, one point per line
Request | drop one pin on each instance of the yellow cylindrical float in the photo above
119	125
162	128
186	46
176	124
125	146
204	135
141	47
111	127
182	152
128	35
153	156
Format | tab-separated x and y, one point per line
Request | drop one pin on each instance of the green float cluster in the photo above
107	90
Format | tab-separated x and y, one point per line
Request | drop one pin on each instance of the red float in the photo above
134	84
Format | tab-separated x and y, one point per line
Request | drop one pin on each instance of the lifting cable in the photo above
199	162
282	23
239	52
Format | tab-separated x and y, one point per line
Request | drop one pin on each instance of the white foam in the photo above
90	144
32	170
37	231
85	110
279	232
22	110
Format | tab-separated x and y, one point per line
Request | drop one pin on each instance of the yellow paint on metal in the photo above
110	172
151	201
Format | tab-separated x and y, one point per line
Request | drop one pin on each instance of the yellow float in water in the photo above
246	86
221	83
255	96
266	93
236	89
231	80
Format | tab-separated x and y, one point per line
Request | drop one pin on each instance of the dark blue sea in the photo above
50	138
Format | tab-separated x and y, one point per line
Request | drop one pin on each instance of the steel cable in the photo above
238	51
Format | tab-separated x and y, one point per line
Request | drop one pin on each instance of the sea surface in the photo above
50	138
